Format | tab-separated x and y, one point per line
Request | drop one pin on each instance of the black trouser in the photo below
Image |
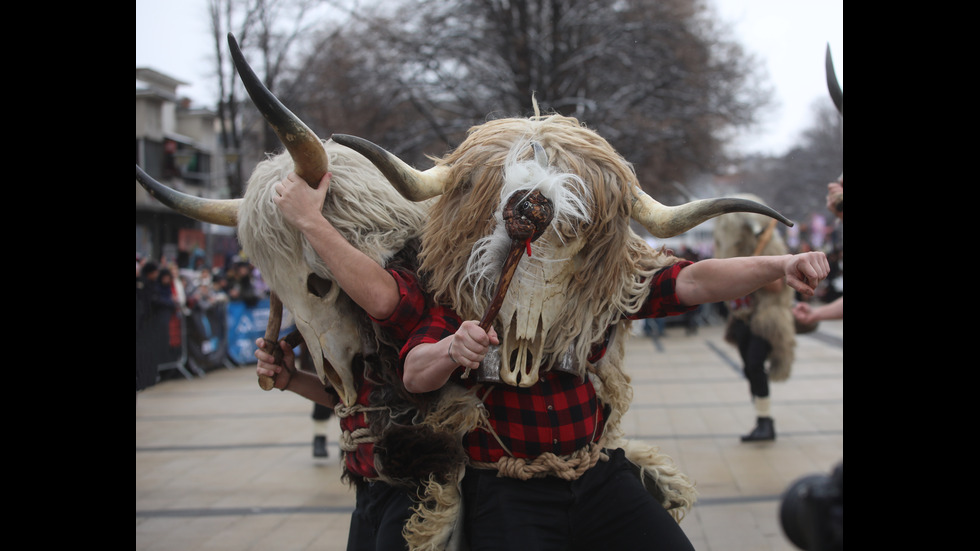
377	520
321	412
606	508
754	351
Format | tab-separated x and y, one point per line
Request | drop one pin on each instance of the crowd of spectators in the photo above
181	314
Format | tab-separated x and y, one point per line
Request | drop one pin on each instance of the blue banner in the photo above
247	324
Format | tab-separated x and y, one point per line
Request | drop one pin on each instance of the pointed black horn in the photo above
302	144
836	92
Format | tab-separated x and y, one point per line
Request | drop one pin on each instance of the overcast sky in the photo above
788	36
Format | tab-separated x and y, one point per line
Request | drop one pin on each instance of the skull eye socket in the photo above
318	286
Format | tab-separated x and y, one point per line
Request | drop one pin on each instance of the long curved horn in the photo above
836	92
663	221
223	212
302	144
414	185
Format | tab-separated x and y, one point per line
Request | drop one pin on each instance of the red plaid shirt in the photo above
361	460
561	413
411	307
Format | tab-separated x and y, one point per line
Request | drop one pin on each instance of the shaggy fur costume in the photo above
770	314
611	263
373	217
611	269
612	266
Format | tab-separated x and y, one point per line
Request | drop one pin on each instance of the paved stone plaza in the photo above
221	464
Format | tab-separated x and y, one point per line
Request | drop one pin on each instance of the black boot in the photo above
319	446
764	431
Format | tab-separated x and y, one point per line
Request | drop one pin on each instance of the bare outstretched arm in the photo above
831	311
720	279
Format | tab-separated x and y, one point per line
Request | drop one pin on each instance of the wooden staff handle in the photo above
526	216
272	339
506	276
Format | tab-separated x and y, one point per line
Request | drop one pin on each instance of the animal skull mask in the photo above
368	212
361	204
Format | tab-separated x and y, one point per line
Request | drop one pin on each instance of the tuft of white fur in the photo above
570	199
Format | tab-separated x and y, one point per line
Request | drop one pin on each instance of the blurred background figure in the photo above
760	325
240	284
146	364
321	414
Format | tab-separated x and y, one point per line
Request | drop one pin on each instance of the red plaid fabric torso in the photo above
560	413
407	314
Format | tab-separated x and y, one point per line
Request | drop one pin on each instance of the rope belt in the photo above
566	467
350	440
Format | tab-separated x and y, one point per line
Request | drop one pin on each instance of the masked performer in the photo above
384	502
543	389
760	323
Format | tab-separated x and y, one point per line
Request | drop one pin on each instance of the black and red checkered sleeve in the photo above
410	308
663	300
438	323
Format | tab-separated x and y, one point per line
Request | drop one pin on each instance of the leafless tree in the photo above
661	79
267	30
796	183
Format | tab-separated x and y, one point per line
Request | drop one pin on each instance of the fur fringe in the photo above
662	478
417	452
433	525
434	521
659	474
772	319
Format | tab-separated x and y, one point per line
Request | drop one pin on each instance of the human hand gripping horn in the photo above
526	217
